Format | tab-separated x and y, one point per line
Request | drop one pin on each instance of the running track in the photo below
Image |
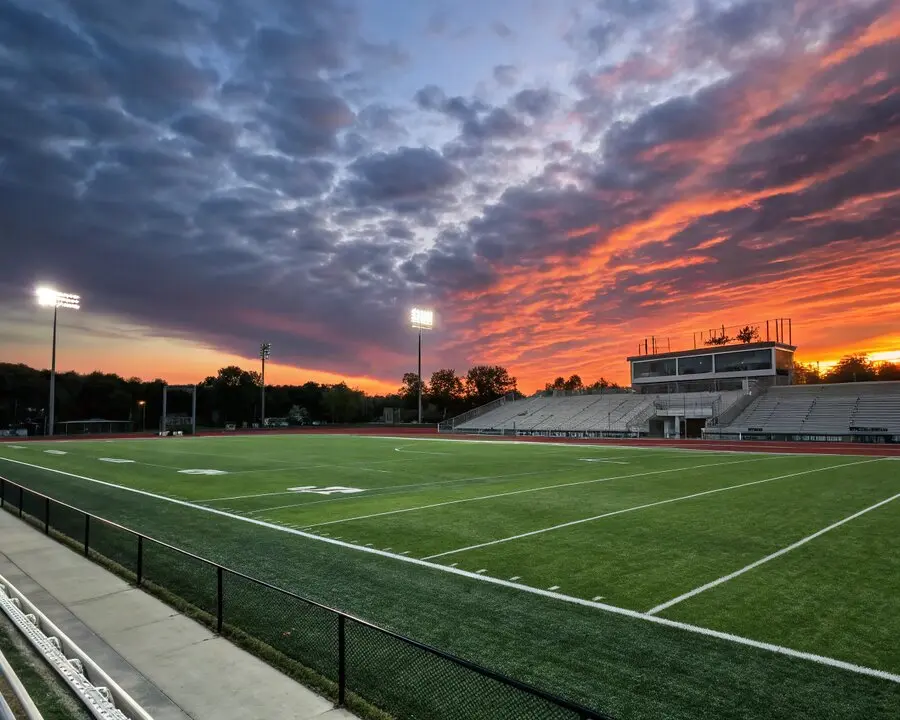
818	448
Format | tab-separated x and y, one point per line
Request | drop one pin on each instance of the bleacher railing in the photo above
369	669
454	422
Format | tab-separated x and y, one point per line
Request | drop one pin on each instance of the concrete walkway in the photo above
174	667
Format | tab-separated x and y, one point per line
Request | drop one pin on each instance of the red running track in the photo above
817	448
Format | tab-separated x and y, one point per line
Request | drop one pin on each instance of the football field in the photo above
642	582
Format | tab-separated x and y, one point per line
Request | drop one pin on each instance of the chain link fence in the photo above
375	672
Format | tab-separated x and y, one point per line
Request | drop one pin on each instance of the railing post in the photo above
21	499
87	534
2	491
46	516
220	601
342	660
140	560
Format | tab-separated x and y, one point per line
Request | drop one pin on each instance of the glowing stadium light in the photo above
421	319
48	297
265	352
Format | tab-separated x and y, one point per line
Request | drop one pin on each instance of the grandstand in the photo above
608	414
848	411
724	387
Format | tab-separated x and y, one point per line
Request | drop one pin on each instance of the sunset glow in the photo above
590	175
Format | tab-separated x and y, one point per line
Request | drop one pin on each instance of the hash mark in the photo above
554	587
483	570
515	577
599	597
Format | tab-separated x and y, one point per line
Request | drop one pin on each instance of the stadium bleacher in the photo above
612	412
833	410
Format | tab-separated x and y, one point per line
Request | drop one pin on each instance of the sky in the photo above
557	179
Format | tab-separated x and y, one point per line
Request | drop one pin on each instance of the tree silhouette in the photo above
747	334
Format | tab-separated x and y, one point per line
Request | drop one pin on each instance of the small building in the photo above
713	369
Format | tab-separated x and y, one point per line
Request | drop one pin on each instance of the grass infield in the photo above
539	561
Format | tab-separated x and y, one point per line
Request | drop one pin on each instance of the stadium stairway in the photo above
175	668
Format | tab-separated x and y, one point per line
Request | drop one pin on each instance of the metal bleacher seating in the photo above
834	410
612	412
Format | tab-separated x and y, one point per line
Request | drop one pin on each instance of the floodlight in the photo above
48	297
265	352
421	319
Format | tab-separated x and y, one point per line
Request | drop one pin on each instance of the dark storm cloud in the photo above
222	170
536	103
197	146
407	180
506	75
502	30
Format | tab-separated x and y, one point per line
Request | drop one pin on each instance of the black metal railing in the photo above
360	665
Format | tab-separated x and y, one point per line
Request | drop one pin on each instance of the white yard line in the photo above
767	558
790	652
641	507
527	490
402	449
378	491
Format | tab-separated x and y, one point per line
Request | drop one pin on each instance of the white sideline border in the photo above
696	629
762	561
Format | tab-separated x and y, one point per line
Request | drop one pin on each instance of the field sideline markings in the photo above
654	619
706	450
402	449
767	558
390	490
642	507
529	490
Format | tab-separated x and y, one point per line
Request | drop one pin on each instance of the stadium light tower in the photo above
265	350
47	297
420	320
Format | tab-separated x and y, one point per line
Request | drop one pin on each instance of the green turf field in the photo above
592	572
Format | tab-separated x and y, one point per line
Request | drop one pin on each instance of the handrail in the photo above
583	712
6	713
97	691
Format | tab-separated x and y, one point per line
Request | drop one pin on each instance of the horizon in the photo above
556	179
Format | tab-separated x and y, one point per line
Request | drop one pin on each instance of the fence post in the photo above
219	599
2	491
140	560
87	534
46	516
342	660
21	499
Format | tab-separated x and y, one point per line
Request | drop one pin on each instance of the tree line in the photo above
233	395
851	368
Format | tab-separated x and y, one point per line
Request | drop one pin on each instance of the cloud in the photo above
502	30
407	180
214	172
506	75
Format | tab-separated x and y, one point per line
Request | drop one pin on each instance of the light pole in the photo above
265	350
143	404
47	297
421	320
